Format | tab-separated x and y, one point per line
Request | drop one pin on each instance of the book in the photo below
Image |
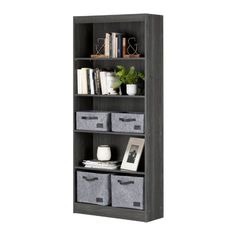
119	45
107	45
110	80
79	82
111	165
103	81
91	81
97	81
84	80
116	46
113	35
124	47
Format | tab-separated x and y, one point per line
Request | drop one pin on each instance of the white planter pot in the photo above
131	89
104	153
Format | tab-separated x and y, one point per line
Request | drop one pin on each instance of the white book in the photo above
103	81
113	35
111	79
84	79
107	45
91	81
116	46
79	82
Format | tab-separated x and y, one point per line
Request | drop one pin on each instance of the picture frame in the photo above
133	154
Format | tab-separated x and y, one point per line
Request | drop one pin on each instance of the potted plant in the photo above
130	78
121	83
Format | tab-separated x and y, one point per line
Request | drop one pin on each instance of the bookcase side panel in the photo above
154	117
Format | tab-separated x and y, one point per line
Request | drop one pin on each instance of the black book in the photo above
119	46
97	82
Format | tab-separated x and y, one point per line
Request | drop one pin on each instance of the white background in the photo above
36	118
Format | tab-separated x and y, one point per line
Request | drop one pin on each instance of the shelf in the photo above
108	96
116	212
108	132
119	171
110	59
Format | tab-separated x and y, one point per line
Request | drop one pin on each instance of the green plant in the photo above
130	76
133	76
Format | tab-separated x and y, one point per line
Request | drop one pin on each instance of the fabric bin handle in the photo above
89	118
125	183
90	179
127	120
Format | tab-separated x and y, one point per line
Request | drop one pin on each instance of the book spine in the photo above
107	44
91	81
103	82
79	84
116	46
113	35
97	82
124	47
84	81
88	81
119	47
110	45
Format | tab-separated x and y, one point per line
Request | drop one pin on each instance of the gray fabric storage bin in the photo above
127	191
93	188
92	120
127	122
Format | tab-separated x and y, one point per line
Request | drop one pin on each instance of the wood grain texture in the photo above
154	117
150	29
123	213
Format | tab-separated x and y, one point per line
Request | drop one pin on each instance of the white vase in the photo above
104	153
131	89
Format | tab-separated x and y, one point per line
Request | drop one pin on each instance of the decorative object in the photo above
99	47
104	153
132	48
132	154
131	89
108	165
130	76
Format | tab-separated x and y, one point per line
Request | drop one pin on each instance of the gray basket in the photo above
86	120
127	122
127	192
93	188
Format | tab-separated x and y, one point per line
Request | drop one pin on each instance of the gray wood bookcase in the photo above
148	29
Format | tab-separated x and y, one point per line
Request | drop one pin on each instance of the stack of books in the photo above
115	45
110	165
95	81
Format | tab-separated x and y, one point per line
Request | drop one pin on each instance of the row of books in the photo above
95	81
115	45
110	165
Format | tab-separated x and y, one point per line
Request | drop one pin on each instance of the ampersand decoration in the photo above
132	48
100	46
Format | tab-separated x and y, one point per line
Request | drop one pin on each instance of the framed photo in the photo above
132	154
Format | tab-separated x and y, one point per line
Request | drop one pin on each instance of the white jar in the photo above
131	89
104	153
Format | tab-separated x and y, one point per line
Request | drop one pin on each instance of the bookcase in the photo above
148	29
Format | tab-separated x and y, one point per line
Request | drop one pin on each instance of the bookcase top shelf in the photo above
112	18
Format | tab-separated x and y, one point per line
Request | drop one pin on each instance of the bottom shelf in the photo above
109	211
